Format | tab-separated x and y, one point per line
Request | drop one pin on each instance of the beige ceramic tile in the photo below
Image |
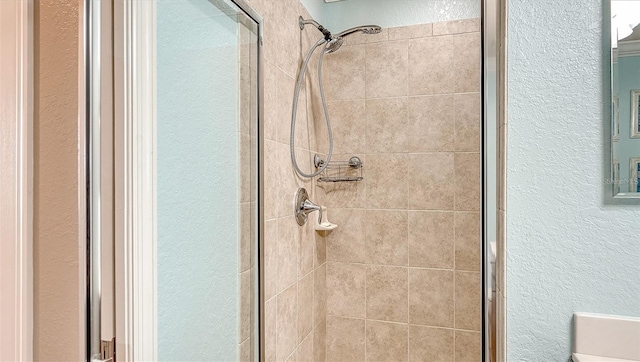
430	65
305	306
387	293
270	315
320	255
305	349
245	351
271	258
431	242
287	258
345	339
386	69
320	342
456	26
306	249
431	181
430	123
245	305
320	294
347	125
288	35
467	63
344	73
467	122
431	297
287	320
386	237
244	98
270	101
346	243
468	346
271	180
387	181
467	234
386	342
468	301
360	38
289	180
286	85
246	236
346	290
386	125
411	32
467	170
428	344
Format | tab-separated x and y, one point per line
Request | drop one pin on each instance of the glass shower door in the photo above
206	177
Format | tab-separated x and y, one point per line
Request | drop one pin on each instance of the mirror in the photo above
625	103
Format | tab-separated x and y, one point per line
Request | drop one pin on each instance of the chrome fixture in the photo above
340	171
331	44
303	207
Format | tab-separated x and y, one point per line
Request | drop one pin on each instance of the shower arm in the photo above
302	22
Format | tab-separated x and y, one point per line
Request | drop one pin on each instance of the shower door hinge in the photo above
108	350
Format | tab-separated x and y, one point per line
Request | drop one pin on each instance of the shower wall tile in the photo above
387	289
431	179
427	344
246	236
345	339
286	85
430	123
320	342
386	125
411	32
320	295
348	120
306	248
431	239
386	69
271	179
468	346
431	297
305	306
387	181
245	305
270	100
386	342
467	239
271	260
304	353
287	320
468	311
270	317
431	68
456	27
467	116
347	244
386	237
467	62
346	290
467	184
344	73
287	253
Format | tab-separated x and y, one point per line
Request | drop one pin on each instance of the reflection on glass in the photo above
625	103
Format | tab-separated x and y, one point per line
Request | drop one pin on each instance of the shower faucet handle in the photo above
303	207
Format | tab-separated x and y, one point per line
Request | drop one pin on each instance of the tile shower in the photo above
399	279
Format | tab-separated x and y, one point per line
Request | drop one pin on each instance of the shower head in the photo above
333	45
366	29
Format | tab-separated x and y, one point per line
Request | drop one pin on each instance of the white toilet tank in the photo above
606	338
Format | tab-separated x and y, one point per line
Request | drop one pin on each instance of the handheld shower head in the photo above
333	45
365	29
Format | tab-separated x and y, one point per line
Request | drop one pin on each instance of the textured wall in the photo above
345	14
403	266
58	318
569	248
198	223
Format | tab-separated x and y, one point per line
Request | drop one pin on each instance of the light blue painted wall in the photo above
569	248
317	9
349	13
197	182
626	147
